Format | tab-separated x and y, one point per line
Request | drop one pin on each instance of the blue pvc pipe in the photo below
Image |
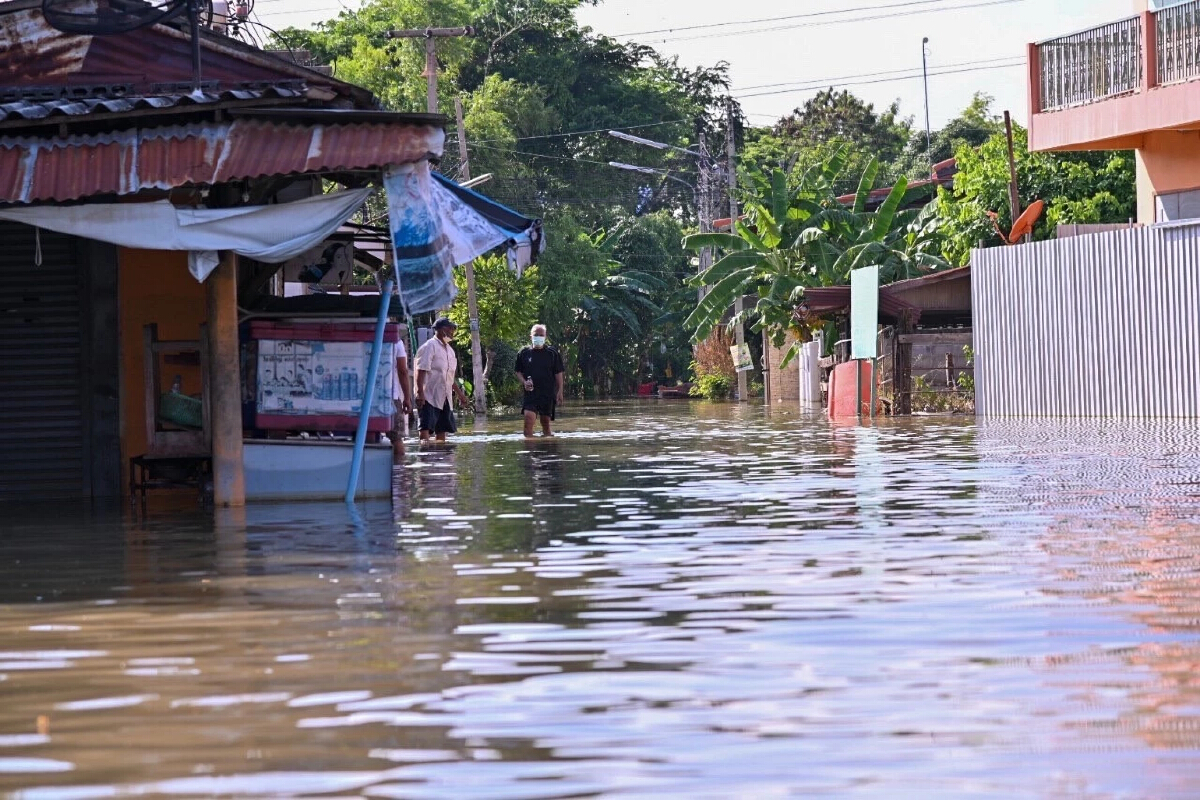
364	416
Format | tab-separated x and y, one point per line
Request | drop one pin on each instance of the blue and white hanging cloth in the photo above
437	225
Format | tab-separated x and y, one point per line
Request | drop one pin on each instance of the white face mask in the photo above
538	341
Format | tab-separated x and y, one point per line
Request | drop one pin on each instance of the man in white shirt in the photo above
402	395
437	366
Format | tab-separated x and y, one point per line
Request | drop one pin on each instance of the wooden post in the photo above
949	371
740	304
1014	198
902	370
766	343
229	481
478	381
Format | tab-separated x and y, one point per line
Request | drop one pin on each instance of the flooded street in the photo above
667	600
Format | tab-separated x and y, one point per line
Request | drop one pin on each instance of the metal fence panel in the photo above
1106	325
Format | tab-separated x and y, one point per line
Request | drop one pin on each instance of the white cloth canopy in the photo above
271	234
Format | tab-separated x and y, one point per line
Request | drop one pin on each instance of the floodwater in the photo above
673	599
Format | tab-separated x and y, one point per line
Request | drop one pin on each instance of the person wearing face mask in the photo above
437	366
540	370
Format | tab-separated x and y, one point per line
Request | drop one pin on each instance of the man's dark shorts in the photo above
542	406
436	421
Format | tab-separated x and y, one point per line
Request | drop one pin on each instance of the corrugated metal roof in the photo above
819	300
126	162
35	54
64	107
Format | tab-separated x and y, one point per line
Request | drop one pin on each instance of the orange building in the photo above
1129	85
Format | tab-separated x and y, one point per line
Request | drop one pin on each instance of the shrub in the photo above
711	386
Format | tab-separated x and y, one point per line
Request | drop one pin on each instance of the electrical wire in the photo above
916	76
904	71
823	23
807	15
453	139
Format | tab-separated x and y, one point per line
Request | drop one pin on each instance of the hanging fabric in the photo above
432	233
271	234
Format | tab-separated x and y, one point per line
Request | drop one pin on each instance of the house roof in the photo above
20	111
942	174
821	300
43	66
38	169
914	297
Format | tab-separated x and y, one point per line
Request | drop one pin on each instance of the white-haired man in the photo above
540	370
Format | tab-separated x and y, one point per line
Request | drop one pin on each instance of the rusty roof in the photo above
821	300
56	169
94	107
34	55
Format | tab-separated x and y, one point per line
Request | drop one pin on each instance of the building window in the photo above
1177	206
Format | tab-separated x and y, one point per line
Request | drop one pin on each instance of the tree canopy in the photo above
616	286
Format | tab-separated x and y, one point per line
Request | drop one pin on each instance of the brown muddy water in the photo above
668	600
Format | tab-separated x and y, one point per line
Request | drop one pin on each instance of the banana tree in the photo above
799	236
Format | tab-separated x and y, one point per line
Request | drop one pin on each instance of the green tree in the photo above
508	305
1092	187
843	117
974	126
799	235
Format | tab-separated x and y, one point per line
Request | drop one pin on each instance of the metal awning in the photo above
58	169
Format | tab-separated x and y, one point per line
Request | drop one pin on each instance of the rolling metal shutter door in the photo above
42	436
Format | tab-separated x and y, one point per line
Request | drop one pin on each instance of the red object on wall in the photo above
842	388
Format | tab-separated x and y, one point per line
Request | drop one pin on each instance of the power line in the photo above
903	71
880	80
577	133
823	23
776	19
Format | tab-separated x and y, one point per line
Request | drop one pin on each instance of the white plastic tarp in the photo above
271	234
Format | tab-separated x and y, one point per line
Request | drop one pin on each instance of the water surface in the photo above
669	599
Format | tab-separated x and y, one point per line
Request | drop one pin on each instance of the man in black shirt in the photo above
540	369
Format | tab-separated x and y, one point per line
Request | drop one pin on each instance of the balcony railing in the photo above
1091	65
1178	34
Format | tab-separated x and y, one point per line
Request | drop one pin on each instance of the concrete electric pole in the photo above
477	379
431	35
743	378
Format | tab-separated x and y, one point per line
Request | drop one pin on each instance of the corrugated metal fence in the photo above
1106	325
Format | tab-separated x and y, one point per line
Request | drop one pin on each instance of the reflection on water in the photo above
695	600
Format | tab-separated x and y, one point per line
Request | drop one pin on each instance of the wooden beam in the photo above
964	338
225	380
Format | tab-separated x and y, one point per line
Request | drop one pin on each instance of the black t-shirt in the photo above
540	366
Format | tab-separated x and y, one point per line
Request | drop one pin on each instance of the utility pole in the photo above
431	35
704	209
740	304
928	129
1014	197
480	383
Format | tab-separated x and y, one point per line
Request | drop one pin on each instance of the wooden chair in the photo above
176	455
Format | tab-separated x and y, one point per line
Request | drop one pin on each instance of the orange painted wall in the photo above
154	286
1168	161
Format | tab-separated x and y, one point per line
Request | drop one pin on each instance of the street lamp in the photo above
650	171
628	137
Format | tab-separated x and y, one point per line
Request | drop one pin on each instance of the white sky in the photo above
832	54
